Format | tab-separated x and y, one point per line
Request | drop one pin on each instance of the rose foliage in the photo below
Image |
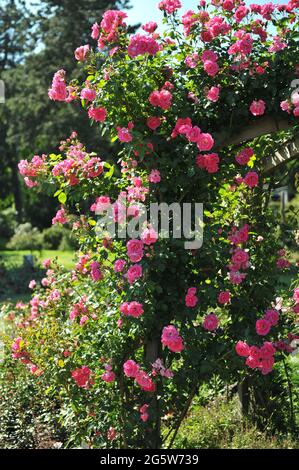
126	338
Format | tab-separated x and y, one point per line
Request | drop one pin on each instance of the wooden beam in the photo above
289	151
258	127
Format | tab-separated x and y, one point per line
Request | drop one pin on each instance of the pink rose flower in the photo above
109	376
32	284
88	94
170	6
131	369
258	108
82	52
213	94
149	236
212	68
134	273
154	177
263	327
132	309
211	322
272	316
251	179
82	377
267	350
172	339
97	114
244	156
135	250
161	99
153	122
150	27
205	142
224	297
242	349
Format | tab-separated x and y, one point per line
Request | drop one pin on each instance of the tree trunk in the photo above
153	436
16	189
244	396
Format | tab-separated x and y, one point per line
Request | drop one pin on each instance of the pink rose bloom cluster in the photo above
79	309
296	296
81	265
172	339
119	265
244	156
133	370
132	309
209	162
101	205
257	358
243	46
161	99
204	141
191	61
251	180
108	376
18	348
282	262
240	258
239	261
58	91
60	217
144	416
264	325
108	31
214	27
238	237
170	6
88	93
150	27
141	45
210	65
159	369
291	105
95	271
82	377
191	299
211	322
31	170
32	284
278	44
189	19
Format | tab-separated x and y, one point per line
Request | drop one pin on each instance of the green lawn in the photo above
16	257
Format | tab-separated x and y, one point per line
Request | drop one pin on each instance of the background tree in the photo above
37	39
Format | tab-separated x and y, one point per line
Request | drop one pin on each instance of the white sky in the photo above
147	10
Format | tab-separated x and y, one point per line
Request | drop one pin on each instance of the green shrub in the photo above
221	426
26	237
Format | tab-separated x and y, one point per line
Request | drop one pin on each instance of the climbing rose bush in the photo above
128	336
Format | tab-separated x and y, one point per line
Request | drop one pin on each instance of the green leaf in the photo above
62	198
